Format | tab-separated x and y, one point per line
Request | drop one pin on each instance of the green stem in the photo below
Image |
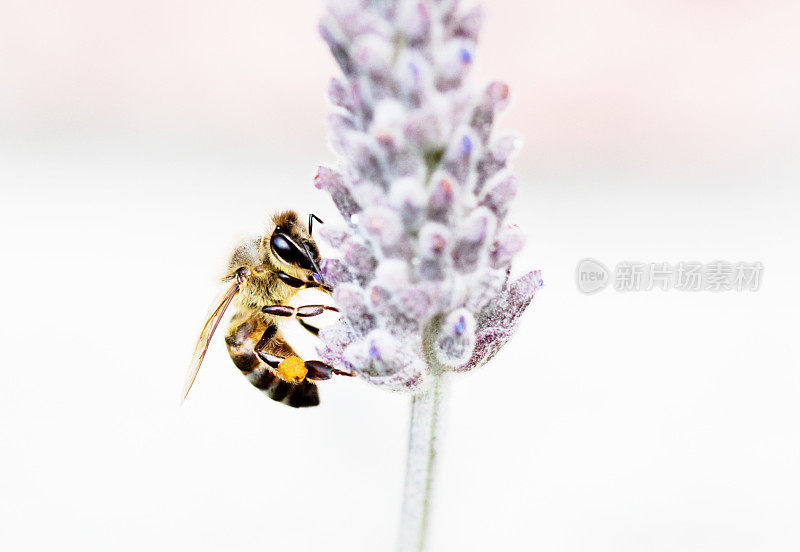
423	443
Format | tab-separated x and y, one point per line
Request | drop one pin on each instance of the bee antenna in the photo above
311	218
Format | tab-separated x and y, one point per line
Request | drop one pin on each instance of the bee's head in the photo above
290	242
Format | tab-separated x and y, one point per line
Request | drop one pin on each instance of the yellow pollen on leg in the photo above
293	369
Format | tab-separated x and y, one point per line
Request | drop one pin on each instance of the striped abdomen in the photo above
244	332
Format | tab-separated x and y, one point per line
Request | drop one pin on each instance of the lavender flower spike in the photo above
424	186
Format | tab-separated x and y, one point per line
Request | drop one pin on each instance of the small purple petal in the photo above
333	183
331	33
461	326
374	353
498	321
466	145
505	147
473	240
333	234
384	224
495	98
381	360
415	24
353	305
456	338
335	272
455	60
408	198
372	53
469	24
507	245
441	198
499	192
339	95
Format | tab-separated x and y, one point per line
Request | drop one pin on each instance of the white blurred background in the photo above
140	140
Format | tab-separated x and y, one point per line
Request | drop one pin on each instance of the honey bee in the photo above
263	274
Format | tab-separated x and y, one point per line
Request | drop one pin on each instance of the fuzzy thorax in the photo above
262	287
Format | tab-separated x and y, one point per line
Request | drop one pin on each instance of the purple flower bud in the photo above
434	245
447	11
333	183
494	99
331	33
334	235
409	199
423	130
495	160
384	361
505	147
341	126
441	198
497	94
345	10
477	226
365	154
460	153
499	192
387	123
372	53
335	272
434	240
415	24
335	339
414	76
508	244
454	63
353	305
468	24
473	240
384	224
354	19
339	95
456	339
379	296
359	258
415	302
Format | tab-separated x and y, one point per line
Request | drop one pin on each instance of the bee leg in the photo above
311	329
273	350
318	370
300	312
291	281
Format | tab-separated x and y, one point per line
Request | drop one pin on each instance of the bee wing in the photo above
212	321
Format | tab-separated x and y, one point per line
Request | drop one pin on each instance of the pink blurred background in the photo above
612	82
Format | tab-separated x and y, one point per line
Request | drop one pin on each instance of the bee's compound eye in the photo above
287	251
